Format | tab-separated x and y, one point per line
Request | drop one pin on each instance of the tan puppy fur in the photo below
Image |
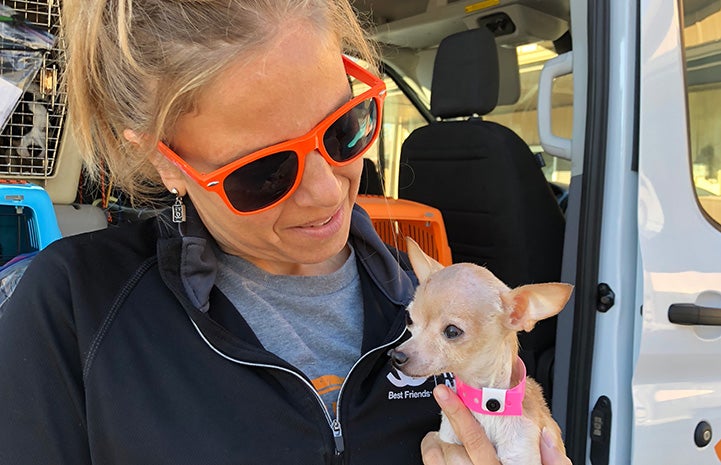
481	350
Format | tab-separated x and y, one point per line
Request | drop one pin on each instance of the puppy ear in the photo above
422	264
527	305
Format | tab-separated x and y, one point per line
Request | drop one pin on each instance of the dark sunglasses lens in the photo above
353	132
262	182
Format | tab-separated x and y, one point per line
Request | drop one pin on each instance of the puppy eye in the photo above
452	332
409	321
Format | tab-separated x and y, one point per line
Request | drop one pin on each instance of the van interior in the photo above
459	135
484	121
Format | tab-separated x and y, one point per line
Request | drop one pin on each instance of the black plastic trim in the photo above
636	93
592	190
694	315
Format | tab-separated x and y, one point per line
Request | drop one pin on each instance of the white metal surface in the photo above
677	380
612	358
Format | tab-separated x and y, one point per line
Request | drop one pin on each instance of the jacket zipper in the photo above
334	424
338	433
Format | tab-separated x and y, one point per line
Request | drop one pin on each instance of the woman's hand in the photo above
476	448
550	454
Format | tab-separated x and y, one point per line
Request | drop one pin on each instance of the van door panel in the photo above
676	385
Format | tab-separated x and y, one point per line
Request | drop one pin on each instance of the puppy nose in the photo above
398	358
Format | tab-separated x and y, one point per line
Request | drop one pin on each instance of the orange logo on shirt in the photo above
327	383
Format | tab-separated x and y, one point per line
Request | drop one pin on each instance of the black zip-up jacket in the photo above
116	348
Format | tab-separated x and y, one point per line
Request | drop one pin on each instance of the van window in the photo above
522	116
400	118
702	42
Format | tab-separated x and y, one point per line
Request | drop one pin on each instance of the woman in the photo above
255	329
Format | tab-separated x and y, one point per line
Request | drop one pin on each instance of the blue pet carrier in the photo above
27	220
27	225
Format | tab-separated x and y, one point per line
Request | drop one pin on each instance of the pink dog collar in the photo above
490	401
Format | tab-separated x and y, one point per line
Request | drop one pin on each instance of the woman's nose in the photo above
320	186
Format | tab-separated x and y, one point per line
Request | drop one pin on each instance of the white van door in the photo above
677	378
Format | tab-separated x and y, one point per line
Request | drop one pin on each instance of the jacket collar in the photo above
186	258
188	262
388	268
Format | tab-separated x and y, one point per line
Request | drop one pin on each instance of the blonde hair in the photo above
140	64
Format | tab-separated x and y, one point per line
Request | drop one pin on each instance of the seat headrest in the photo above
465	75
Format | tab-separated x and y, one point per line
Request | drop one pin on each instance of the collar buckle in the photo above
492	401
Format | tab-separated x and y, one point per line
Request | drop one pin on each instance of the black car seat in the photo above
370	182
498	209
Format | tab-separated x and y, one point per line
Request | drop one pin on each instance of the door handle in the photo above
692	314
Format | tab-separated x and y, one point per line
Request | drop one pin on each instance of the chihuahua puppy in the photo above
464	320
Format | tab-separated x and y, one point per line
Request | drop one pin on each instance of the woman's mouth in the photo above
318	224
324	227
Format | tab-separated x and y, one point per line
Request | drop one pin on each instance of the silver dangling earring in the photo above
178	208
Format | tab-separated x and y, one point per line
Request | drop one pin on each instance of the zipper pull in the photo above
338	437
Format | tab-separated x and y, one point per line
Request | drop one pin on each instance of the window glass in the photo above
702	42
400	118
522	116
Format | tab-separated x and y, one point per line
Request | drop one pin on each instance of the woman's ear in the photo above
170	174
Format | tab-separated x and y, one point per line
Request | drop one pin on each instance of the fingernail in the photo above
547	438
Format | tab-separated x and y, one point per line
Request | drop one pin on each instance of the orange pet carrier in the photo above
394	219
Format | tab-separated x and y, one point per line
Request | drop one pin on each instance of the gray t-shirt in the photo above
313	322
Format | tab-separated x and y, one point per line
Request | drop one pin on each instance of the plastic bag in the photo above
10	274
21	55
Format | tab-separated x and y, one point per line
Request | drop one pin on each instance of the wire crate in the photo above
30	141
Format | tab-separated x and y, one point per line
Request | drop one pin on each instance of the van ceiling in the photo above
385	11
421	24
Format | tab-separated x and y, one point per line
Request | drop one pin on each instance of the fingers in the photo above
469	431
431	450
476	449
550	454
436	452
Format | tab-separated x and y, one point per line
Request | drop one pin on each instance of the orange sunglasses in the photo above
261	180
